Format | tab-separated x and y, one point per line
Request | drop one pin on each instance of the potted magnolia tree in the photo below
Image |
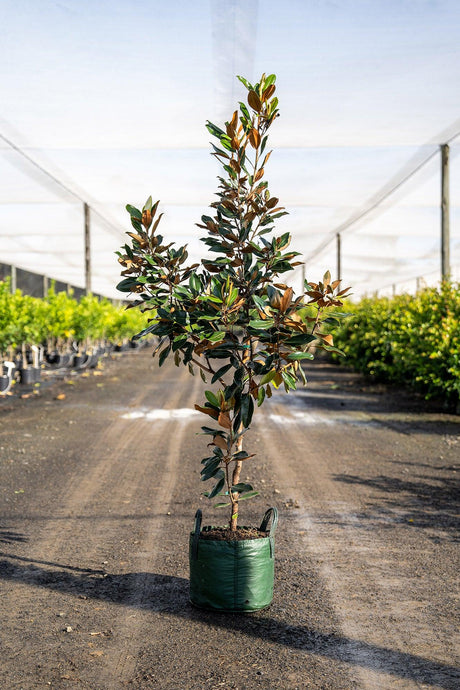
234	319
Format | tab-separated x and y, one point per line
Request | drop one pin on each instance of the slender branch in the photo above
205	368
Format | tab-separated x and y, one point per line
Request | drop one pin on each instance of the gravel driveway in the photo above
99	482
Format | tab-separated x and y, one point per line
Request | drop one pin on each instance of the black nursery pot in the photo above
27	376
52	358
233	575
79	361
4	383
64	360
93	361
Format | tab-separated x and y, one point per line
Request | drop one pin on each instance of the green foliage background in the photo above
60	317
408	340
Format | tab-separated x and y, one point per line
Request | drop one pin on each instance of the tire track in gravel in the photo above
106	471
287	479
354	561
127	458
131	622
105	455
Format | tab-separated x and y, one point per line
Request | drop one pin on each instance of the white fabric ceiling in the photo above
111	98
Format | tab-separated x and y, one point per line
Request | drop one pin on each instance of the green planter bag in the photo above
233	575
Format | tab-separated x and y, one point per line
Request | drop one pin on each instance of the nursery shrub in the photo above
408	340
59	320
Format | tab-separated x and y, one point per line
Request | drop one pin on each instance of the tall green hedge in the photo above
408	340
59	319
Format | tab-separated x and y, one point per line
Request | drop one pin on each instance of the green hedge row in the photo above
407	340
58	320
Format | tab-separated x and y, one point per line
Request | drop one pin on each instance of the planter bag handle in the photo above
271	513
196	533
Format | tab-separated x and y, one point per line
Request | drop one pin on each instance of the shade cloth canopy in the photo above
105	103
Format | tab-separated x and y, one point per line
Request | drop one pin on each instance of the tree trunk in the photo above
235	480
25	364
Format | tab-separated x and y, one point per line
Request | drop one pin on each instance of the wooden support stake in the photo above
445	226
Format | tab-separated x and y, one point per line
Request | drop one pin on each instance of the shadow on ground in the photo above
333	388
392	414
423	501
169	595
9	537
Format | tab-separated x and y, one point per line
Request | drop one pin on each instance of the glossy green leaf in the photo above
218	487
148	204
259	302
134	212
163	355
296	356
195	282
250	494
241	488
244	81
332	320
232	297
241	455
260	396
289	380
217	336
300	340
127	284
247	410
267	377
215	131
212	399
137	225
147	330
212	471
261	324
220	372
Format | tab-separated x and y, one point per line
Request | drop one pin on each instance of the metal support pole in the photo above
339	257
445	229
14	279
46	285
302	274
87	249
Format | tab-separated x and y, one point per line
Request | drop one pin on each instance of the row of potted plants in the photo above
58	331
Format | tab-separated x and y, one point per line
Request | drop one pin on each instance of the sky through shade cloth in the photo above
111	99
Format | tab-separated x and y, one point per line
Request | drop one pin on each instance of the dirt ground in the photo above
98	490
